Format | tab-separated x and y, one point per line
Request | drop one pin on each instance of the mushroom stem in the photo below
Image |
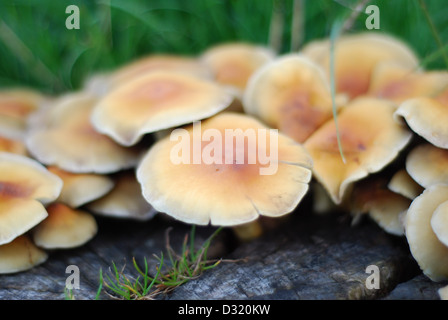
248	231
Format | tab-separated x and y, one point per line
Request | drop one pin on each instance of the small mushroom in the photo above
25	186
64	137
356	56
155	101
104	83
370	140
64	228
124	201
402	183
81	188
20	255
232	64
427	165
16	106
292	94
429	252
427	116
393	81
439	222
225	183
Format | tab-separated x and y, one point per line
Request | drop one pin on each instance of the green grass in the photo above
36	49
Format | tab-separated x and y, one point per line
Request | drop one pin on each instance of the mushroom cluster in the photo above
183	136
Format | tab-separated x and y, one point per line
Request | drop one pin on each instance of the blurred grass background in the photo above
38	51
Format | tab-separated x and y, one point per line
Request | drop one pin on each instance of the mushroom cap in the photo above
15	107
124	201
395	82
370	140
64	137
64	228
155	101
356	56
20	255
384	206
12	146
25	186
232	64
427	116
439	222
290	93
443	293
427	165
429	252
103	83
81	188
225	192
402	183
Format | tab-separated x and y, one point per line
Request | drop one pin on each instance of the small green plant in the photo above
183	267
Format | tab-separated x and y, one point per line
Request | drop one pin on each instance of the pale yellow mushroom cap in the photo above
232	64
125	200
225	192
429	252
427	116
402	183
20	255
439	222
63	136
291	94
356	56
81	188
370	140
155	101
25	186
64	228
427	165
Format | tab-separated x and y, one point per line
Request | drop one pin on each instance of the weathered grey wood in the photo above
418	288
308	257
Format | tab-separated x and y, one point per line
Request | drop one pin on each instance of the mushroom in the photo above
232	64
64	137
402	183
81	188
25	187
16	105
439	222
155	101
367	49
443	293
124	201
218	172
384	206
104	83
427	116
393	81
64	228
20	255
427	165
429	252
12	146
370	140
292	94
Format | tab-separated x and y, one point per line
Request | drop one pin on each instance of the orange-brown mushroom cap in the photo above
81	188
291	94
25	186
427	165
64	137
224	191
232	64
427	116
356	56
429	252
155	101
64	228
20	255
124	201
370	140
